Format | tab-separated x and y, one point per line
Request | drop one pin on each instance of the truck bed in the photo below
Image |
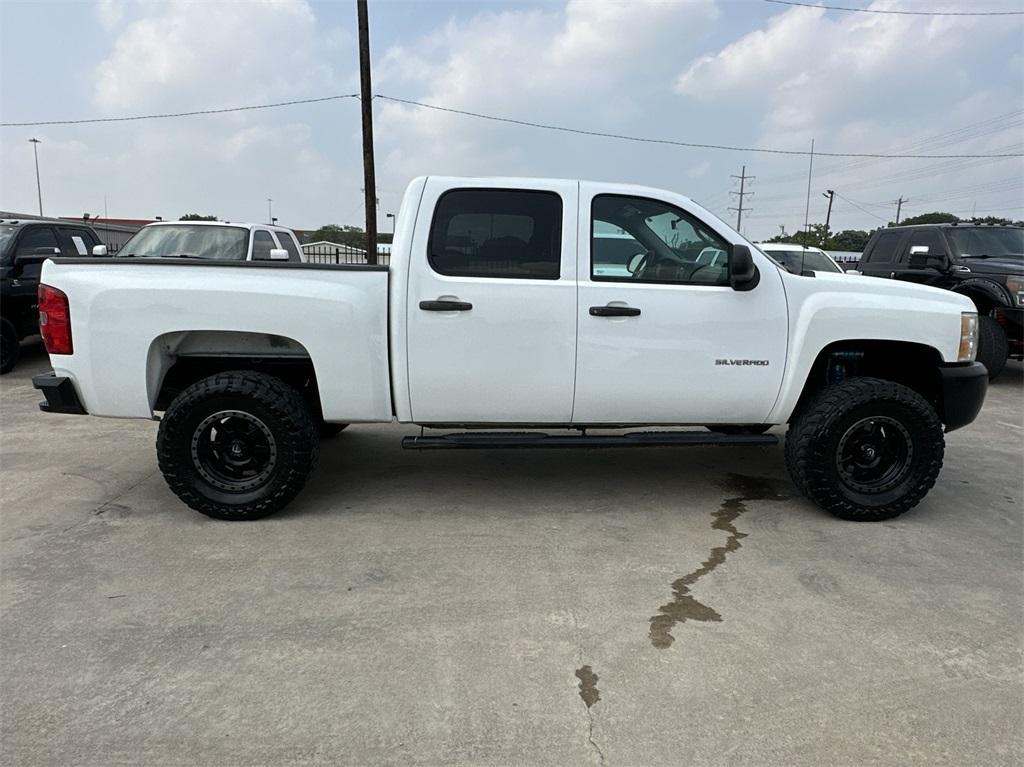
127	330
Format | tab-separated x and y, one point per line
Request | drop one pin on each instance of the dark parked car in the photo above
983	262
24	245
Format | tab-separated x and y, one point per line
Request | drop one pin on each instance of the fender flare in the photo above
986	287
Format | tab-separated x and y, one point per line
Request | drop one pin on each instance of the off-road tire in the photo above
328	430
816	434
993	347
269	399
10	346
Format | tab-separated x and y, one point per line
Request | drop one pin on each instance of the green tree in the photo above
197	217
995	220
353	236
852	240
817	237
928	218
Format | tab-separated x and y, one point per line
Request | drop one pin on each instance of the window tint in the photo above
884	251
931	239
36	237
288	244
262	244
634	238
74	242
497	233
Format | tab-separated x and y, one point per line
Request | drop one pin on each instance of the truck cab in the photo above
214	240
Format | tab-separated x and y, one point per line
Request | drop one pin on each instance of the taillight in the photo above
54	320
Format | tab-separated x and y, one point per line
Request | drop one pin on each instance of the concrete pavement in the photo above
534	608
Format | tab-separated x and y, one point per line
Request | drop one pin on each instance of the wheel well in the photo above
982	302
178	360
910	364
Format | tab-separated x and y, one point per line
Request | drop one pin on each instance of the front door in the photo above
662	336
491	306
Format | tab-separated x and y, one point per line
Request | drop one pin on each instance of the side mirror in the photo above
743	274
278	254
853	271
99	250
635	262
922	258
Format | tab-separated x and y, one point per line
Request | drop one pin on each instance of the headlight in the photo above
1016	287
968	337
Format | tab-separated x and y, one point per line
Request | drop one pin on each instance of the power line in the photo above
898	13
858	207
179	114
688	144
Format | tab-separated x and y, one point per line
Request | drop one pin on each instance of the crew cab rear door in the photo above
663	338
491	303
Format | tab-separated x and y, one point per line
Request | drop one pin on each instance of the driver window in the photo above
641	240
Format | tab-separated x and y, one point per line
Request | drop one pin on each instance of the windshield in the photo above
988	241
224	243
813	261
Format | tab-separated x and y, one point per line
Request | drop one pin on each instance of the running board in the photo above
511	439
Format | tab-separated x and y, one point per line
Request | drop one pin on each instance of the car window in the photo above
501	233
36	237
929	238
262	244
809	260
287	243
74	242
657	242
988	241
884	250
222	243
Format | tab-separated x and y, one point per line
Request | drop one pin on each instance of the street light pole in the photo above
39	189
270	211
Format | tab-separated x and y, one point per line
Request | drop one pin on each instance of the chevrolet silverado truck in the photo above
518	313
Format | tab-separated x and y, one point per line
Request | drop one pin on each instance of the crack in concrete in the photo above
684	607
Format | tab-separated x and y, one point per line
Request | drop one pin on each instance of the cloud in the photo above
588	63
109	12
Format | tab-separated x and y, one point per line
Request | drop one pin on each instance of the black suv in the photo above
983	262
24	245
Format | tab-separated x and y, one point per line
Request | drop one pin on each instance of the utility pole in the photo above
743	177
782	230
39	189
366	97
270	211
828	216
899	207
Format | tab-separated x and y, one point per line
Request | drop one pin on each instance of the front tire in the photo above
237	445
993	346
866	449
10	346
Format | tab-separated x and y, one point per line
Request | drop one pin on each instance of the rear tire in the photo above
10	346
993	347
865	449
237	445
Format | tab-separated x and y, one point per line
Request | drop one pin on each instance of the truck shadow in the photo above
366	467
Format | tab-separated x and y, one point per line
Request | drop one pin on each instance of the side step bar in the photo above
511	439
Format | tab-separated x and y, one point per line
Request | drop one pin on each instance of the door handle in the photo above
614	311
445	306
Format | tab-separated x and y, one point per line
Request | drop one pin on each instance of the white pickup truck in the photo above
518	313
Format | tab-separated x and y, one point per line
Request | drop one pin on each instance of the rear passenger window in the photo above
497	233
884	251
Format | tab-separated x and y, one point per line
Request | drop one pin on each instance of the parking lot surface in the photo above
645	607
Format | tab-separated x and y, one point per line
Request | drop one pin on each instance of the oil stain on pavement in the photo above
684	607
588	685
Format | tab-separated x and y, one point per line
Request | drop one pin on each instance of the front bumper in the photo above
60	394
1012	323
963	392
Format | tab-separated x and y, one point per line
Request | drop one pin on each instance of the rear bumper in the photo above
60	394
963	393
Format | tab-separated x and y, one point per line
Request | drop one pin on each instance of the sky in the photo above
743	73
